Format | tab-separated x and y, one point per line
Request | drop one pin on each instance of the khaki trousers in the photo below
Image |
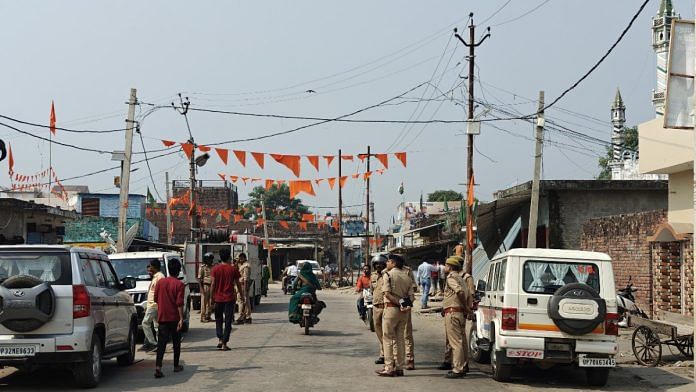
394	331
244	306
455	336
378	317
206	303
409	339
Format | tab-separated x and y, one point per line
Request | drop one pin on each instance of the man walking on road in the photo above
169	296
150	319
243	294
225	277
397	293
423	278
204	281
456	307
379	262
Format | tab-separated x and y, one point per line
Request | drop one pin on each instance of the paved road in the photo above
273	355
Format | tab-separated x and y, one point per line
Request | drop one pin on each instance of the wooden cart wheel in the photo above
646	346
685	344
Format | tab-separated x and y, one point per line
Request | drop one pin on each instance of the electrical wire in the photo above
523	15
496	12
60	128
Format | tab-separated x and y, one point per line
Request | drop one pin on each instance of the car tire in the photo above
129	358
501	371
45	303
88	374
475	351
577	291
597	377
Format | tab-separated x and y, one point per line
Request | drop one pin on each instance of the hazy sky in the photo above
262	56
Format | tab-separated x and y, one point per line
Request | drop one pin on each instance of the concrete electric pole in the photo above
538	151
125	174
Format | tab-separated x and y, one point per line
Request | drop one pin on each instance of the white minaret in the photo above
661	25
618	120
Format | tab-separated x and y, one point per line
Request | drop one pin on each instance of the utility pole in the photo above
169	216
534	207
340	220
193	202
265	236
368	248
125	174
472	45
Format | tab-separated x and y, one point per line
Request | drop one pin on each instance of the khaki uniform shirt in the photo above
204	274
398	283
244	271
377	294
453	286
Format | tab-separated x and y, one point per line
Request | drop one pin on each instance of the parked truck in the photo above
237	243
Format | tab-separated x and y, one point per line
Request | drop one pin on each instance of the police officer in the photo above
204	281
379	262
410	357
457	305
398	291
243	296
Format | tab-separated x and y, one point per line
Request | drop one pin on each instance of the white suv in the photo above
548	307
64	307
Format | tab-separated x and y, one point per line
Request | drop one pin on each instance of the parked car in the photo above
547	307
316	268
135	264
64	307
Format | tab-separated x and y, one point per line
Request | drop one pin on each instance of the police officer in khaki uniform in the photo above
243	296
410	357
204	280
379	263
456	306
398	292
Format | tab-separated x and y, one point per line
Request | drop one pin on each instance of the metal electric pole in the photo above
125	175
169	214
534	207
368	248
472	45
340	220
265	236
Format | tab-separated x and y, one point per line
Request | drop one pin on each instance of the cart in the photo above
669	329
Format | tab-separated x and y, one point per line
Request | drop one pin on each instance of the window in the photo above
111	279
52	268
90	206
501	281
87	273
98	274
490	277
496	276
545	277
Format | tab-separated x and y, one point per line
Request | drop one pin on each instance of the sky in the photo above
262	56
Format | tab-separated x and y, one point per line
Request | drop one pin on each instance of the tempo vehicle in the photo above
547	307
64	307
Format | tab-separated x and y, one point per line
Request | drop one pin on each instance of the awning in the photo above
419	229
496	218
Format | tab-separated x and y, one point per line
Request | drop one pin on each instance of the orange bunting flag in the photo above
10	160
297	186
52	120
284	224
332	182
367	175
168	143
401	156
259	158
303	225
334	224
237	218
321	224
383	159
347	157
362	157
269	184
204	148
342	181
188	149
308	217
226	214
292	162
222	153
355	176
245	179
241	156
222	176
329	159
318	181
253	180
314	160
234	179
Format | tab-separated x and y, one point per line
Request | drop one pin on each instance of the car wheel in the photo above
129	358
18	291
87	374
581	296
501	371
475	351
597	377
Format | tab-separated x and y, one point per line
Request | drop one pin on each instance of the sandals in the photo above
178	369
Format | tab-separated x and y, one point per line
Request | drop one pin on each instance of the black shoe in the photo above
445	366
247	321
455	375
399	373
379	361
239	322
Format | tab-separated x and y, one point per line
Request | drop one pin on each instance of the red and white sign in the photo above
517	353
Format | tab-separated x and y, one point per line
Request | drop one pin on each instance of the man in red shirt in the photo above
224	278
169	296
364	282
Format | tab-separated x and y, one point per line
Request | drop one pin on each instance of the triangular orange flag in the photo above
269	184
342	181
52	120
402	157
314	160
332	182
308	217
284	224
292	162
367	175
355	176
188	149
222	176
347	157
303	225
329	159
362	157
237	218
383	159
234	179
318	181
241	155
222	153
245	179
259	158
297	186
168	143
203	148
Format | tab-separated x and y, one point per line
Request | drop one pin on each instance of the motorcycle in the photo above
626	303
309	308
287	284
367	301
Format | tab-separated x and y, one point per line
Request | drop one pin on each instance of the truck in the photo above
237	243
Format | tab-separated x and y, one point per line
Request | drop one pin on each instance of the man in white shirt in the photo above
423	277
150	318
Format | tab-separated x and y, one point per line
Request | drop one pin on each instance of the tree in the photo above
442	195
279	206
630	143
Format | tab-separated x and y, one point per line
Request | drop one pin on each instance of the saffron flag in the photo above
297	186
329	159
222	153
269	184
203	148
241	156
332	182
342	181
383	159
401	156
52	121
259	158
314	160
188	149
168	143
292	162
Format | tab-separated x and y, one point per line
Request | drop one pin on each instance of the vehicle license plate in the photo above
306	306
534	354
597	362
17	351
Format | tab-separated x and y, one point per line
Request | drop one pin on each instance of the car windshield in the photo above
548	276
53	268
136	268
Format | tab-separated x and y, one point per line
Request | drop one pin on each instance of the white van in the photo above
547	306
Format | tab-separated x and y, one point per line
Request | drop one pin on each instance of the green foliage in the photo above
630	142
442	195
279	206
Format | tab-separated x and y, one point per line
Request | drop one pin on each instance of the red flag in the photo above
188	149
284	224
383	159
222	153
10	159
329	159
314	160
402	157
241	155
52	123
259	158
168	143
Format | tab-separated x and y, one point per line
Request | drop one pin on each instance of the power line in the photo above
521	16
53	141
496	12
61	129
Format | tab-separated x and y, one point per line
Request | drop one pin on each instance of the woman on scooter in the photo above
305	282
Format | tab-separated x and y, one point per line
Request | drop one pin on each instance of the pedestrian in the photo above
265	277
434	278
410	355
442	276
423	279
204	281
243	301
225	278
169	296
379	263
469	283
397	294
364	282
456	307
150	318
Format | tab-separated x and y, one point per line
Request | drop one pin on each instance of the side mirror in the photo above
128	283
481	285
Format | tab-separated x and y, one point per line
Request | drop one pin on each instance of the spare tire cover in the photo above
27	303
577	308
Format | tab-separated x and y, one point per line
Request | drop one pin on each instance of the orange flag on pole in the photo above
222	153
52	121
383	159
314	160
401	156
241	156
292	162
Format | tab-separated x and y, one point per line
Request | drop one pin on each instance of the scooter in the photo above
310	309
287	284
626	304
367	300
